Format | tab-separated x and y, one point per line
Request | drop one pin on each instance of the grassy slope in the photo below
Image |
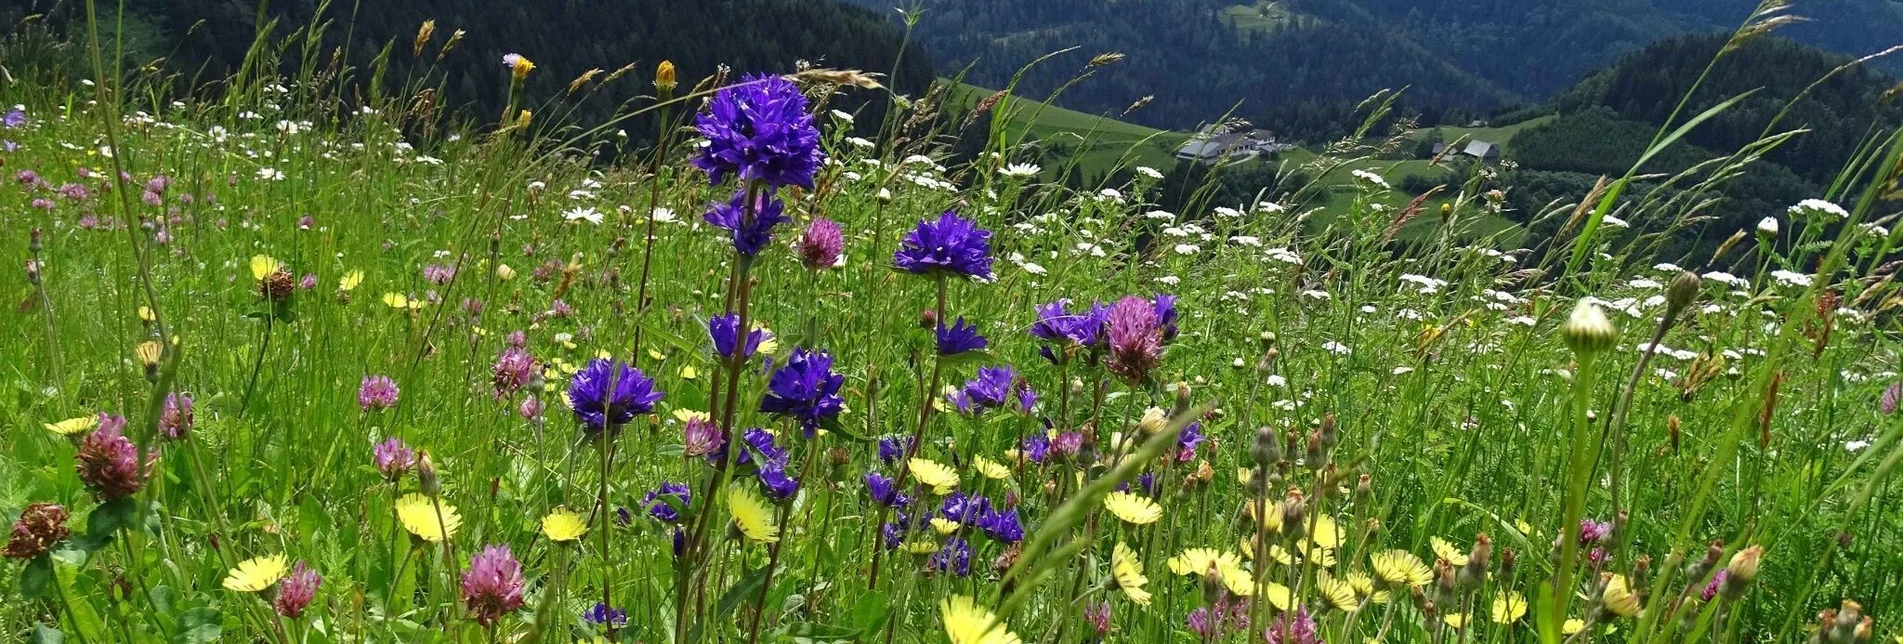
1102	141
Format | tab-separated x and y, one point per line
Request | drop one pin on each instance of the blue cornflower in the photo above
759	130
805	388
992	386
964	509
892	535
667	501
949	245
14	118
752	231
954	556
603	615
598	407
893	448
959	400
724	330
885	491
960	337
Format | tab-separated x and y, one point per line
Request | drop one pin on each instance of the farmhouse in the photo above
1211	145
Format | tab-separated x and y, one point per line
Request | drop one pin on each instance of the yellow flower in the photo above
350	280
263	266
146	315
769	345
928	472
752	514
1197	561
688	372
685	415
943	525
1619	597
1508	607
1447	552
1456	620
1271	520
427	518
147	353
563	525
253	575
656	355
1401	568
990	469
1245	474
1326	533
521	66
1364	587
1573	626
504	272
968	623
1337	593
1132	508
74	426
1128	571
921	547
396	300
1318	554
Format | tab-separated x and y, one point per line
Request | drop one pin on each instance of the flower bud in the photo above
1587	331
1475	572
1182	400
426	480
1152	422
664	78
1364	489
1682	291
928	319
1327	431
148	355
1767	227
1294	509
1267	448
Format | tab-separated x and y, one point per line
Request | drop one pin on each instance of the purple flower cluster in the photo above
724	330
1135	335
751	227
667	501
959	338
821	245
513	369
885	491
1292	628
954	556
492	586
991	388
700	437
977	511
608	394
176	418
893	448
296	591
377	393
769	461
805	388
948	246
393	458
108	462
602	614
758	130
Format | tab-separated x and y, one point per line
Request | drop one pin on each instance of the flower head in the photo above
296	591
885	491
667	501
393	458
1400	568
751	227
959	338
492	585
1128	571
949	245
954	557
377	393
1133	509
701	437
752	515
1587	331
820	246
253	575
966	622
108	462
1293	628
563	525
176	418
991	388
39	527
604	615
1136	339
518	65
427	518
513	369
934	475
608	394
805	388
758	130
724	330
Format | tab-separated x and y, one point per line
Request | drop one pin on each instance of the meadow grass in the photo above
1284	426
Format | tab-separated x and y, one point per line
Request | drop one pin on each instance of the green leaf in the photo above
746	589
200	626
869	613
107	520
85	619
35	576
809	632
44	634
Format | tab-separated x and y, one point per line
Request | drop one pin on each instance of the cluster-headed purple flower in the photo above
296	591
1136	340
724	330
821	245
108	462
758	130
947	246
377	393
176	417
991	388
393	458
513	369
492	586
805	388
667	501
751	227
604	615
960	337
885	491
14	118
701	437
954	556
1292	628
607	394
1058	325
893	448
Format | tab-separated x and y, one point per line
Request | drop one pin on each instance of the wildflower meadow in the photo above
291	360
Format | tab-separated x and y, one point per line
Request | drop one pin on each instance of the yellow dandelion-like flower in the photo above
929	472
656	355
990	469
563	525
1364	587
1196	561
1271	520
1447	552
1128	571
396	300
943	525
427	518
685	415
263	266
1573	626
1318	554
505	272
1508	607
1619	597
921	547
769	344
752	514
253	575
1245	474
1238	580
968	623
350	281
1339	594
1401	568
1133	509
1456	620
688	372
146	315
1525	528
74	426
1326	532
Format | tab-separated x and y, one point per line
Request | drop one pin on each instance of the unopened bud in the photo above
1293	508
1315	457
1328	431
1475	572
1682	292
1587	331
426	479
1182	400
1267	448
1152	422
664	79
928	319
1364	488
1267	340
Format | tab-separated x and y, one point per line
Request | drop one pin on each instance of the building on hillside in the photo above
1482	150
1211	145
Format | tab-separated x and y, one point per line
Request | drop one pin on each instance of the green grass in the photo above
1100	143
1502	134
1265	16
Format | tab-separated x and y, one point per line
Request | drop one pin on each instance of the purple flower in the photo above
1098	615
13	119
1068	444
885	491
724	330
1136	344
892	448
297	590
74	192
108	462
1292	628
774	480
376	393
1891	398
992	386
752	228
701	437
959	338
608	394
603	615
513	369
805	388
959	507
1037	447
760	441
1186	442
1059	325
666	502
820	246
759	130
493	584
393	458
43	204
1026	398
175	419
950	245
954	556
1591	531
1711	588
438	274
530	409
309	282
1165	306
1002	526
892	533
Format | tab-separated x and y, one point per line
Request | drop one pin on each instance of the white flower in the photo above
1402	371
1149	172
1856	445
1186	249
1225	212
1160	215
1819	207
1614	222
858	142
1336	348
1247	240
1791	278
1768	226
1666	267
1269	207
1277	381
842	116
1371	178
270	174
1641	282
1020	170
1319	295
1724	278
579	213
1171	280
